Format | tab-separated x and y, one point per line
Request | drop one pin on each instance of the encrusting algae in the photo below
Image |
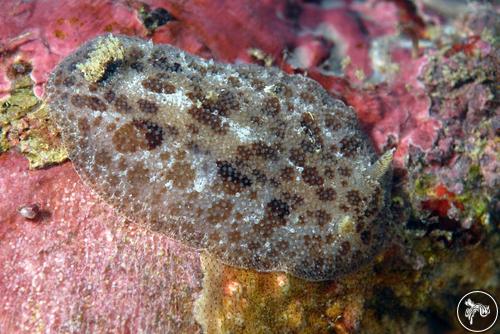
108	52
25	123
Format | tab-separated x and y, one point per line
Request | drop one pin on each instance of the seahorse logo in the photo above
473	308
477	311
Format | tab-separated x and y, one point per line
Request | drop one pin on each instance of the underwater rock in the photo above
263	169
95	258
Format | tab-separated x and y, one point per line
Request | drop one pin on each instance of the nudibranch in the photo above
262	169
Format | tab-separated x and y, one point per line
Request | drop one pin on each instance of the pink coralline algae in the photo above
53	30
72	266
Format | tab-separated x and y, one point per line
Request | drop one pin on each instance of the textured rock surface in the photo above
263	169
72	267
445	131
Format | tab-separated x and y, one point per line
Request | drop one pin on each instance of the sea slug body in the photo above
263	169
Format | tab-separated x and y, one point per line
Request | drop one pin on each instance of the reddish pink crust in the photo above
53	32
28	31
78	260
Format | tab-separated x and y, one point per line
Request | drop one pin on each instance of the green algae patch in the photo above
107	53
42	146
18	105
25	125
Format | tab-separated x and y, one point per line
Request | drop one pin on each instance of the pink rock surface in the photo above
223	30
398	111
78	267
43	32
344	27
